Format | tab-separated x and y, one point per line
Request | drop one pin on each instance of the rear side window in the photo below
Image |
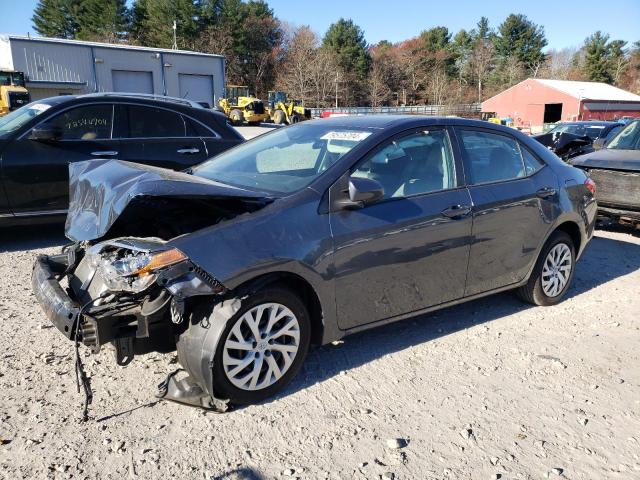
151	122
531	163
89	122
491	157
196	129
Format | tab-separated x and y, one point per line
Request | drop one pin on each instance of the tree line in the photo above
436	67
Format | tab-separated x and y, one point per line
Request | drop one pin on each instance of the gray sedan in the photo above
304	235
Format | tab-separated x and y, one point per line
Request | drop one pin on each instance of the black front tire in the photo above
533	292
270	294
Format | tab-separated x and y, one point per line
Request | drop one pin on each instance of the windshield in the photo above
628	138
285	160
591	131
14	120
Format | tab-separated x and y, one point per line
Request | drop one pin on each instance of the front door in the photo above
410	249
157	136
36	173
514	197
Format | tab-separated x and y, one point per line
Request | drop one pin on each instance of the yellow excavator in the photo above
240	106
13	92
283	109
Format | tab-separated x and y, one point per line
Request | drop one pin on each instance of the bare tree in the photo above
295	76
325	75
481	61
559	64
379	90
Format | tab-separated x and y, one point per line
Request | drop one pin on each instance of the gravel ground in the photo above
490	389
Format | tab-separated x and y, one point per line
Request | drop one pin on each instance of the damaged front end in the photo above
122	282
129	292
565	145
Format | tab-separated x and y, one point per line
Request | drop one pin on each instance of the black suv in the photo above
40	140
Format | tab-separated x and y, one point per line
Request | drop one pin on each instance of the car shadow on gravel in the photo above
605	259
15	239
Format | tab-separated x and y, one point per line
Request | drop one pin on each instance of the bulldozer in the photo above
13	92
240	106
283	109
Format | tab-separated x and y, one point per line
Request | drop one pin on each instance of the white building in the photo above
68	67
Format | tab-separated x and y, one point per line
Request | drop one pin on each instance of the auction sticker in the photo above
354	136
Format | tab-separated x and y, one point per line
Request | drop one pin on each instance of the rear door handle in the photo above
457	211
188	151
546	192
106	153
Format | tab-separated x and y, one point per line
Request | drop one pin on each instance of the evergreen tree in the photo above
346	40
103	20
56	18
596	61
520	39
152	22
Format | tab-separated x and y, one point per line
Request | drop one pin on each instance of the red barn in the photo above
534	101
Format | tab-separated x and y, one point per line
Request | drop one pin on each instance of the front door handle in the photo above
546	192
106	153
457	211
188	151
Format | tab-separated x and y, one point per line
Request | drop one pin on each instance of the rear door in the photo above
36	173
514	200
157	136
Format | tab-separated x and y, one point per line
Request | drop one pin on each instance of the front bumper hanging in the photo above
58	306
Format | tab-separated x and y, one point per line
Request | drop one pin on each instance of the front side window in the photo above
491	157
90	122
414	164
628	138
284	160
151	122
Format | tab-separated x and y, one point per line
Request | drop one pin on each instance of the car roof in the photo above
380	121
591	122
123	96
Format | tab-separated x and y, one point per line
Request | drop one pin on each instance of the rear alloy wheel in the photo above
279	117
236	117
553	272
262	347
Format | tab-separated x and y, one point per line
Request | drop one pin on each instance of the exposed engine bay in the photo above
122	282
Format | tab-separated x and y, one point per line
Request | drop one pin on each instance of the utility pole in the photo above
337	89
175	37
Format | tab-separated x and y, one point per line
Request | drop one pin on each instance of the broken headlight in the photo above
133	271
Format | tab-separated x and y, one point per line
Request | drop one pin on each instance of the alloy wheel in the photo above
261	346
556	270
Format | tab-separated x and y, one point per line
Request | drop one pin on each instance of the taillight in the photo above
591	185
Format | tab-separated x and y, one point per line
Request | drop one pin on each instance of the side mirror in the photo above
599	143
46	133
362	191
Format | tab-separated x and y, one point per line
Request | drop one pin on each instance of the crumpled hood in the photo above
609	158
100	191
561	142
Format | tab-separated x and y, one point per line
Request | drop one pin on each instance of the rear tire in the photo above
260	367
553	272
279	117
236	117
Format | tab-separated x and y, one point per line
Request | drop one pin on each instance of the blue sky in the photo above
567	23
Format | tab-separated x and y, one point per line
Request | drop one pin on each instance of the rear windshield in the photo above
628	138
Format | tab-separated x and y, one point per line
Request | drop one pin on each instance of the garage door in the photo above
132	82
198	88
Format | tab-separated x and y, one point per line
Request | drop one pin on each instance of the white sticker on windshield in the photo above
41	107
346	135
